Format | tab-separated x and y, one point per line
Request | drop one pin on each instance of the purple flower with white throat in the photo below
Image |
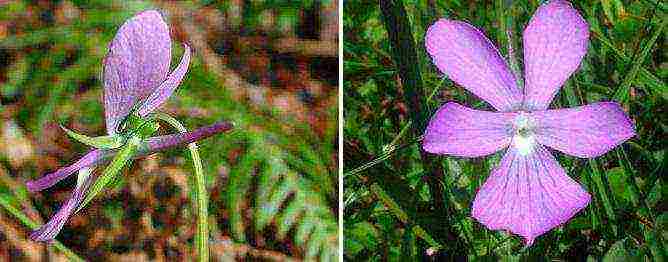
136	83
528	193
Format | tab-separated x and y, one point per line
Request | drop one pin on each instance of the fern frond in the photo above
282	197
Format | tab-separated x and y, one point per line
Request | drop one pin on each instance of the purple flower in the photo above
135	77
529	193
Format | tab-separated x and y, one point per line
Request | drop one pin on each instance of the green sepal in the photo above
134	125
148	129
101	142
123	157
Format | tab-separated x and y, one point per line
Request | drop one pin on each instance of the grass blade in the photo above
622	94
400	214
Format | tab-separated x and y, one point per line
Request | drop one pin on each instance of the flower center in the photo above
523	134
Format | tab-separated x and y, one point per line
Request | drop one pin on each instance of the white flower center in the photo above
523	135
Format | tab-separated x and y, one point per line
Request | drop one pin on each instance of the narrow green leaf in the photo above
389	203
270	206
409	246
623	92
315	243
400	214
604	194
289	216
240	179
360	236
648	77
426	237
304	230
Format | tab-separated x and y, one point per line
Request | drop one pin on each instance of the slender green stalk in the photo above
202	237
390	151
33	225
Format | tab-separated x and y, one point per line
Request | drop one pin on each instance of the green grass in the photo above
391	188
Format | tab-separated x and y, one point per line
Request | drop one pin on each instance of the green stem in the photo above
33	225
388	153
122	158
202	237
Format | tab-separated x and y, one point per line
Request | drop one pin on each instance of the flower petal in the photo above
91	158
555	41
528	195
165	90
464	54
159	143
584	131
50	230
137	62
462	131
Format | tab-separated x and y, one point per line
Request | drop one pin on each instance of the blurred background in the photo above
399	204
269	66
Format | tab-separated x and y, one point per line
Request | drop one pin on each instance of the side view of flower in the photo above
528	193
136	83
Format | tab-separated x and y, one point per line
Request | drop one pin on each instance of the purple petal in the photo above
159	143
461	131
137	62
50	230
528	195
464	54
585	131
555	41
91	158
165	90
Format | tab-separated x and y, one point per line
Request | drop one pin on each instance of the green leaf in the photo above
618	178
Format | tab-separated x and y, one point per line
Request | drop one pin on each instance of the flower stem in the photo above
32	225
202	236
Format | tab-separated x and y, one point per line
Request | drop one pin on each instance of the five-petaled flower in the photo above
135	84
529	193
